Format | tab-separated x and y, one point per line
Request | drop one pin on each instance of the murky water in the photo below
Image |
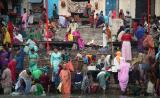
75	96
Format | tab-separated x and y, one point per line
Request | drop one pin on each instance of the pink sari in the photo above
123	74
24	20
80	41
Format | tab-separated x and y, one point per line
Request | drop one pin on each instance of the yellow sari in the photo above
7	37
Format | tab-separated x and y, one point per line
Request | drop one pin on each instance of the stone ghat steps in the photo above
87	34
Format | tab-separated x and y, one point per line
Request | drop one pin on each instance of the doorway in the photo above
110	5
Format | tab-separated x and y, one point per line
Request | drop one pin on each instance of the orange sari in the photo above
65	76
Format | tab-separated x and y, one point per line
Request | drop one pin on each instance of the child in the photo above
86	83
78	80
37	89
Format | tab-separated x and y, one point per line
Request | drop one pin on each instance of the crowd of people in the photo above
139	67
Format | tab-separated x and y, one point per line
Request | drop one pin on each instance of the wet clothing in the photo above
65	76
102	76
37	89
86	84
123	74
27	79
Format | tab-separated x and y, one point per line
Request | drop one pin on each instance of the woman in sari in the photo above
65	76
10	29
12	67
33	60
3	58
140	36
126	46
88	9
24	19
7	37
123	75
20	60
55	60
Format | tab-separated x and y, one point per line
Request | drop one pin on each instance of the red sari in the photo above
10	30
12	67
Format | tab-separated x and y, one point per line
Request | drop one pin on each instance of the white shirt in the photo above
19	37
30	19
115	66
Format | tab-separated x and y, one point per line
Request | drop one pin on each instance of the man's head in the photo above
28	72
24	10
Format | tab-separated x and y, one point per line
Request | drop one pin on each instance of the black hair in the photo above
146	33
28	72
55	6
24	10
37	81
32	49
55	47
155	28
140	25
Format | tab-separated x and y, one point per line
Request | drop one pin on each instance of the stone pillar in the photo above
157	10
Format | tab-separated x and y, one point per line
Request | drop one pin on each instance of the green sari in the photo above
33	61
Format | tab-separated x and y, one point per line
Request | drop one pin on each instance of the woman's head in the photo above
118	53
102	57
121	10
55	49
64	63
32	50
24	10
54	5
127	30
